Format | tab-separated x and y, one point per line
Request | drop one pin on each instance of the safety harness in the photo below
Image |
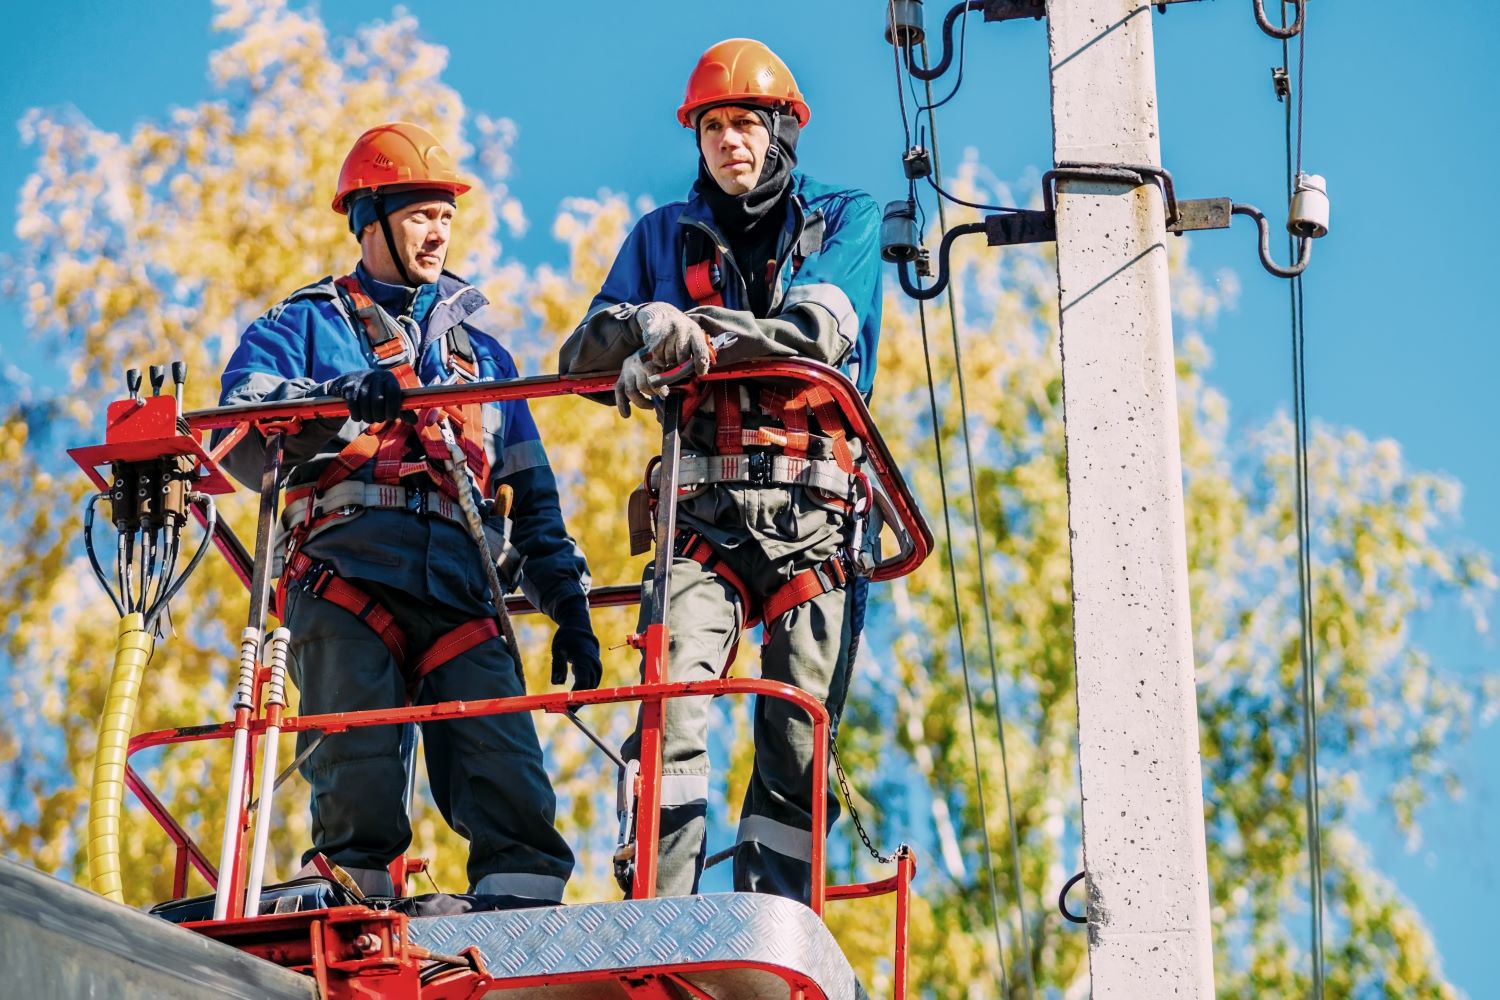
399	450
838	480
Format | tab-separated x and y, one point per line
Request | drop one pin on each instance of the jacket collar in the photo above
696	212
438	306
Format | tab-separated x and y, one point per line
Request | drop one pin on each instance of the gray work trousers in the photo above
766	536
486	773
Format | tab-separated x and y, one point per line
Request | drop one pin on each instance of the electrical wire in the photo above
963	655
963	44
963	652
900	92
984	594
1302	504
981	206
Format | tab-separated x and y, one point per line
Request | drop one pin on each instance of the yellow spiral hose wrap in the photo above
133	646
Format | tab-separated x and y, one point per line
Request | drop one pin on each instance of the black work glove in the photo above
373	395
575	645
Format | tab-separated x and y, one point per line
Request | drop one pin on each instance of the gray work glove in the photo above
672	337
634	385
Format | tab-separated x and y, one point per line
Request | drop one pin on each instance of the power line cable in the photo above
937	436
900	91
1302	503
963	653
984	594
963	44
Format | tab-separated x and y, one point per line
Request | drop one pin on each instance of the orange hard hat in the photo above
741	71
396	153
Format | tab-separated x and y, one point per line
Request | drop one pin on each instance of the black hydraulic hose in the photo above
161	602
124	556
944	249
88	545
932	73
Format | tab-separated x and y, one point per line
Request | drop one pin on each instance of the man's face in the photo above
734	144
420	232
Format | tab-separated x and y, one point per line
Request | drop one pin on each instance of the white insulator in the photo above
280	640
244	692
1308	217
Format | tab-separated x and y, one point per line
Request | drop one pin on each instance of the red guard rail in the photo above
908	524
811	373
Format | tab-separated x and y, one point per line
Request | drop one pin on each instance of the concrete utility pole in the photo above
1148	914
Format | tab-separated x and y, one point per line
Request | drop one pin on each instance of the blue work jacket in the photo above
307	340
838	280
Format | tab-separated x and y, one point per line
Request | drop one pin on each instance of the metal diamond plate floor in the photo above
729	946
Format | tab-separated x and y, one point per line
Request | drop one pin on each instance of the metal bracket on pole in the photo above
904	28
1012	10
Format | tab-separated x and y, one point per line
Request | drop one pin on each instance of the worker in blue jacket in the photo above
761	261
384	586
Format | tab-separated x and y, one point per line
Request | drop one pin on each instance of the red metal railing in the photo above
910	527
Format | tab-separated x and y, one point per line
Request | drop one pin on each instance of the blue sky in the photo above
1400	115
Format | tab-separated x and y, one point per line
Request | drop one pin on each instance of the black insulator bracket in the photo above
1027	226
1281	83
916	163
1202	213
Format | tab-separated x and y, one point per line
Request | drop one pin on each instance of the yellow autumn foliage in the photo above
163	244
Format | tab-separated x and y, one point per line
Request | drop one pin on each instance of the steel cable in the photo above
963	654
937	438
984	594
1302	505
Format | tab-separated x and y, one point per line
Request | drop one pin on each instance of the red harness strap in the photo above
805	586
700	278
395	446
451	645
325	584
398	450
696	548
801	588
321	582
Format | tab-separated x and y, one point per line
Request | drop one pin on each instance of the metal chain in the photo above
859	827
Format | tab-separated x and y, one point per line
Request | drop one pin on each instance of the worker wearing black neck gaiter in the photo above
753	222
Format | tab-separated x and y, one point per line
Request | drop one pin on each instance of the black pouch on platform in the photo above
300	894
448	904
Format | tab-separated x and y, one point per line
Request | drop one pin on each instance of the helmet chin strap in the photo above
390	239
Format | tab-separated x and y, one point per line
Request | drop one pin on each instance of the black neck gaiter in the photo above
752	222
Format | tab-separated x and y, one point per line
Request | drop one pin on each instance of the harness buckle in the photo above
416	501
315	579
758	467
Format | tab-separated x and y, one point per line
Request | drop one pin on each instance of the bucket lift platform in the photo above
719	946
736	944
